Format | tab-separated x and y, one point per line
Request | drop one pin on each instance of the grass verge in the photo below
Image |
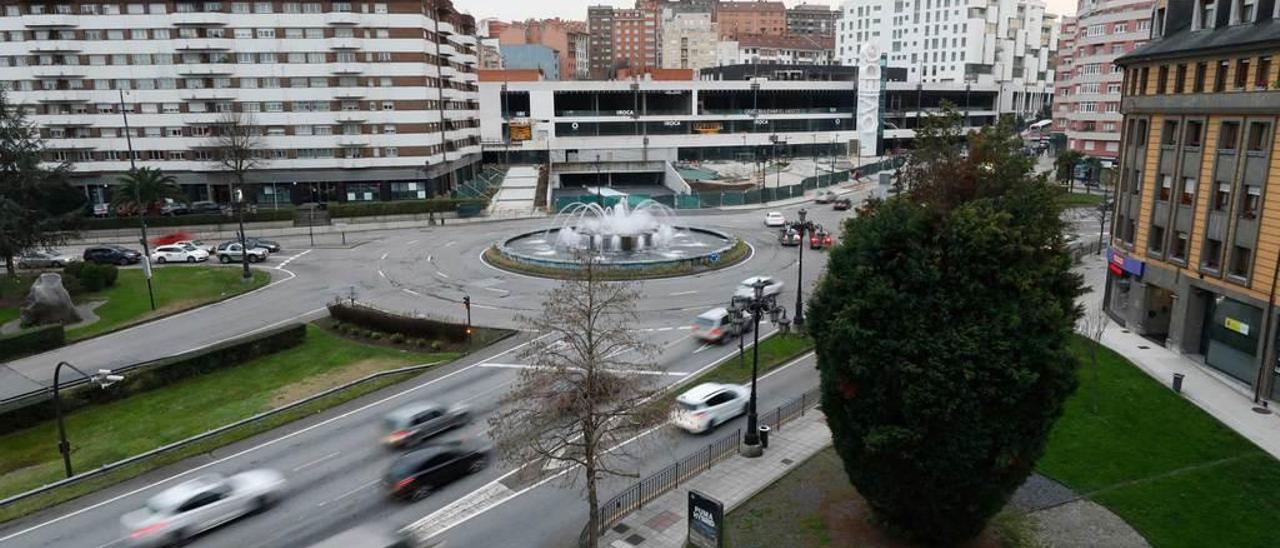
1077	199
734	255
1172	471
177	288
774	351
117	430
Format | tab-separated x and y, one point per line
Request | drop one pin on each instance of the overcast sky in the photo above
577	9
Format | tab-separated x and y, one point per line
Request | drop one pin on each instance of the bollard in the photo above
1177	382
764	436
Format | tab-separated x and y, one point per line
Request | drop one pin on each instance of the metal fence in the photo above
666	479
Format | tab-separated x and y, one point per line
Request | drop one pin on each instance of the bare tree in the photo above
237	148
588	386
1093	324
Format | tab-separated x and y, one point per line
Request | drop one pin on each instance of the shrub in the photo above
32	341
111	223
421	343
436	345
397	338
95	277
407	207
375	335
372	318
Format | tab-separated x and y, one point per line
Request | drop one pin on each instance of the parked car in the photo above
842	204
178	254
716	325
824	197
187	509
789	236
49	258
204	207
231	252
820	238
415	423
774	218
269	245
703	407
172	207
111	254
417	474
746	289
197	244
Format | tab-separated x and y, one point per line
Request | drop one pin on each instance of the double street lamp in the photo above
799	320
752	309
103	378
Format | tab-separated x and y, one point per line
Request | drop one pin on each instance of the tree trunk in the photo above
593	502
9	267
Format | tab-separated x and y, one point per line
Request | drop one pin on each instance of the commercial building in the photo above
688	41
490	54
623	38
737	19
532	56
1007	43
785	50
559	35
580	56
1195	248
600	41
821	73
361	101
812	19
1087	102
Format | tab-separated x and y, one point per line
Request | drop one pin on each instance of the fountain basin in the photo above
690	248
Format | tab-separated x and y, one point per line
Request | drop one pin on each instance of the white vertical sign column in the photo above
868	98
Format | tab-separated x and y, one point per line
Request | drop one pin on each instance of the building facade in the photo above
1004	42
1195	246
490	54
635	39
557	34
812	20
351	101
580	45
784	50
1064	67
688	41
532	56
737	19
600	41
1087	102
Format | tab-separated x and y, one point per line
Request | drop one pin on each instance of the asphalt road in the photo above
333	460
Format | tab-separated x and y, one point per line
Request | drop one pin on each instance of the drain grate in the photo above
621	528
787	462
635	540
1143	347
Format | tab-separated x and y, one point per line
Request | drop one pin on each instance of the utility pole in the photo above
142	211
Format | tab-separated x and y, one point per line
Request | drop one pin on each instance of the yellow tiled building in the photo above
1195	249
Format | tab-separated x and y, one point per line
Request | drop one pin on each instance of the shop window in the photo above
1258	136
1220	79
1179	251
1229	136
1241	257
1170	135
1188	191
1156	242
1166	187
1192	138
1222	197
1252	200
1212	257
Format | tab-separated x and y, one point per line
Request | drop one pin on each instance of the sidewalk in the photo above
1227	400
663	521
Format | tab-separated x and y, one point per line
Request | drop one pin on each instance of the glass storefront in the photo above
1230	338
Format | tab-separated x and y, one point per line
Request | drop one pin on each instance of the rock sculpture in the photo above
48	303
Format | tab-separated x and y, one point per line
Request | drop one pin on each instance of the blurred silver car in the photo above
187	509
50	258
416	422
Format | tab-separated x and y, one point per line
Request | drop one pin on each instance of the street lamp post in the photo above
799	319
137	202
757	306
103	378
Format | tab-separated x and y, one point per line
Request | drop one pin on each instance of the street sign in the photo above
714	257
706	521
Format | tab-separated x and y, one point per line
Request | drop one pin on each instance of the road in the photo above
333	461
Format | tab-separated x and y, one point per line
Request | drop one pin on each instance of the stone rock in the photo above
49	303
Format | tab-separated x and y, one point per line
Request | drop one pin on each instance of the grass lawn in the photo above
1175	473
1080	199
177	288
8	314
774	351
110	432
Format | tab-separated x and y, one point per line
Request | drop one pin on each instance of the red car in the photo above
820	239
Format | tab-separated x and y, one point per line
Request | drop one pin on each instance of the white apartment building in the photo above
688	40
353	100
1002	42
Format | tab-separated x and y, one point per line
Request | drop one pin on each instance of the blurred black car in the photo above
269	245
842	204
417	474
111	254
204	208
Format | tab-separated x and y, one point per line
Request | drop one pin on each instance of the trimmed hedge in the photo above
32	341
378	320
407	207
159	373
110	223
89	277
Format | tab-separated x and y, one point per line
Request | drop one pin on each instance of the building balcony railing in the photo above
203	44
56	46
349	93
51	20
209	94
345	43
199	18
60	96
60	71
351	116
346	68
353	140
210	69
342	18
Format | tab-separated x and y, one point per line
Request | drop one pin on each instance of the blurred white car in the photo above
198	244
187	509
178	254
774	218
747	289
704	406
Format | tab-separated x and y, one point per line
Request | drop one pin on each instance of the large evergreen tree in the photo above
941	328
38	206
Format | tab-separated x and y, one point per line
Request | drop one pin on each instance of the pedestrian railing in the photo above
666	479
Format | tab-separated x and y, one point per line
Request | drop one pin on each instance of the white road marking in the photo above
679	293
410	291
286	262
628	371
262	445
381	274
318	461
450	244
428	258
442	274
484	306
112	543
411	242
349	493
384	256
703	347
495	290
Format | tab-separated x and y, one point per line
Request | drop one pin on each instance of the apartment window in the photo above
1206	14
1179	251
1166	187
161	34
345	57
1194	133
1180	79
298	82
1250	202
1228	136
1245	11
291	7
1211	258
266	58
273	106
391	152
313	33
245	58
270	82
316	57
1222	197
389	129
342	7
388	105
1169	136
1242	73
1241	257
379	8
1264	70
296	57
1162	80
137	9
1142	80
1220	79
1258	137
250	107
322	130
292	33
318	82
1155	243
266	33
262	7
1198	85
344	32
1188	191
311	7
172	108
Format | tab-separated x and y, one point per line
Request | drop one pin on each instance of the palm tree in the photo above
146	189
1065	164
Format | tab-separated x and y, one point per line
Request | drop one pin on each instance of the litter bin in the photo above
764	436
1177	382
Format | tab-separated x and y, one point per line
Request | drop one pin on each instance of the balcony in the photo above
51	20
342	18
61	96
199	18
203	44
447	50
346	68
351	116
353	140
213	69
348	93
345	43
59	71
56	46
208	94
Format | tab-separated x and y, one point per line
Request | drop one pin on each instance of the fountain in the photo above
647	235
